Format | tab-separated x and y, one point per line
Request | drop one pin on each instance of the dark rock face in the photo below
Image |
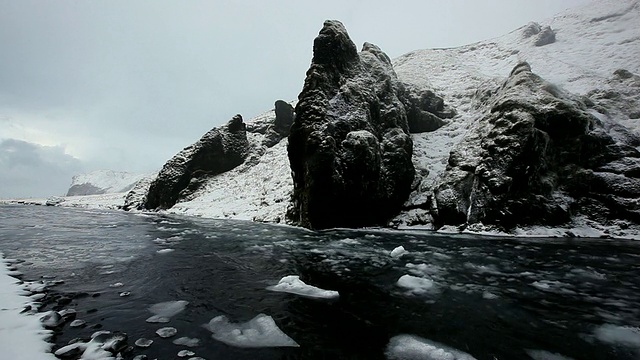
219	150
538	157
282	124
349	147
425	110
546	36
84	189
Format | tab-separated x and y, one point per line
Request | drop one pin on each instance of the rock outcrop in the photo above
219	150
546	36
349	147
539	156
425	110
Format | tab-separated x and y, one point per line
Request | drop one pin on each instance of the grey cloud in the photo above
30	170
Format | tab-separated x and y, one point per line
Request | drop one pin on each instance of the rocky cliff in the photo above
219	150
349	147
534	132
538	157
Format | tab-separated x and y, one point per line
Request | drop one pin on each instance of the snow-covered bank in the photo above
21	335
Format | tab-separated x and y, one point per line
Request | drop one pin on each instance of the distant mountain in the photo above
103	182
538	129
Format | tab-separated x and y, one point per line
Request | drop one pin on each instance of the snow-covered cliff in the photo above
103	182
580	64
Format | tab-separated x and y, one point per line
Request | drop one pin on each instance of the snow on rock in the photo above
103	182
349	147
410	347
594	55
293	285
261	331
22	336
257	190
165	310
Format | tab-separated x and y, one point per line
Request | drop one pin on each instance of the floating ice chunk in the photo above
143	342
166	332
416	284
292	284
185	353
157	319
618	335
188	342
489	296
116	285
410	347
261	331
125	293
398	252
545	355
165	310
164	251
78	323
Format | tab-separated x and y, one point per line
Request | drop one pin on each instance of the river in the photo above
493	298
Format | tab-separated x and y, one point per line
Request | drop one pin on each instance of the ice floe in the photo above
410	347
618	335
167	332
186	341
417	285
293	285
261	331
398	252
165	310
545	355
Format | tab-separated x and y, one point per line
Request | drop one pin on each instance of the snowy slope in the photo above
103	182
591	43
258	190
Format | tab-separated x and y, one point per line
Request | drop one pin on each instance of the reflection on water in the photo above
492	298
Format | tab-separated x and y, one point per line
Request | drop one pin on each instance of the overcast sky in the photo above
124	85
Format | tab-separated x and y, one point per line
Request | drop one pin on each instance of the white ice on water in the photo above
261	331
411	347
619	335
545	355
165	310
417	285
293	285
21	336
398	252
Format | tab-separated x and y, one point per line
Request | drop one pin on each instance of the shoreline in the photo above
581	228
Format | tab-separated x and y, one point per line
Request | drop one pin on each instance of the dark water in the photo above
492	298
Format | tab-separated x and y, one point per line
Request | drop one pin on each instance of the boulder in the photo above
539	156
219	150
349	147
546	36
